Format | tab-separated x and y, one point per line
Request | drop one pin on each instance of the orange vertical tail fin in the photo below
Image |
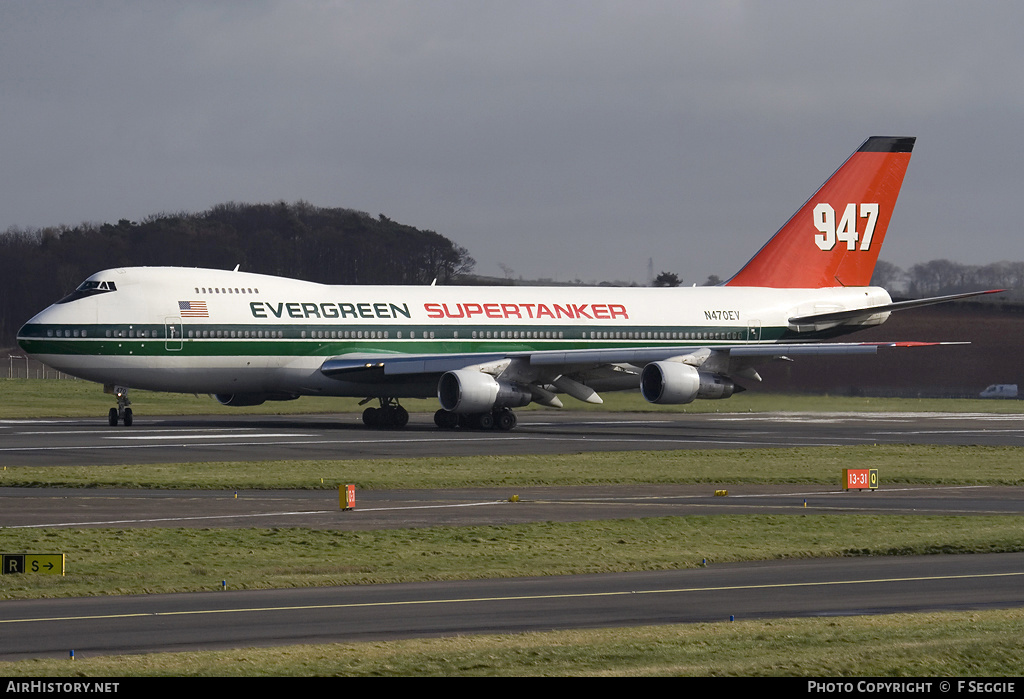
834	239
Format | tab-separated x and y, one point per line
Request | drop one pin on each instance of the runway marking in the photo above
33	421
165	519
144	431
252	515
78	447
853	415
589	440
720	500
199	436
516	598
981	432
591	423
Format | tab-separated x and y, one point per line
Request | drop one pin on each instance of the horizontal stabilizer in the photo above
858	313
821	349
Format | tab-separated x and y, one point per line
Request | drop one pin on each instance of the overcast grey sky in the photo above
562	139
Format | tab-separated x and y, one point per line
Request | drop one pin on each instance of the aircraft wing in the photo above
567	370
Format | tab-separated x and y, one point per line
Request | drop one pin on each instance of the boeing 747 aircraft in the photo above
482	351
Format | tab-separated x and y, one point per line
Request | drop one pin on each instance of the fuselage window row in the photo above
236	334
385	334
225	290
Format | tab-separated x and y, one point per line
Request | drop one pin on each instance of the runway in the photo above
38	628
246	438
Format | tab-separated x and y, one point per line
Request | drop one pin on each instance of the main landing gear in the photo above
500	419
390	415
122	413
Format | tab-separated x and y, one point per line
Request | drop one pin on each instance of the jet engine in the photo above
237	400
469	391
673	383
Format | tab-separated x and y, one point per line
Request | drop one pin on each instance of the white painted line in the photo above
722	500
536	438
107	523
186	430
201	436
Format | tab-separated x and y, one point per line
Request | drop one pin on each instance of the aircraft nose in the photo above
33	331
24	337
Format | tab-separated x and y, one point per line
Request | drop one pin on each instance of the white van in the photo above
1000	390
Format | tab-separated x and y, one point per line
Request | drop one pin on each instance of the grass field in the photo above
38	398
168	559
935	465
162	560
983	644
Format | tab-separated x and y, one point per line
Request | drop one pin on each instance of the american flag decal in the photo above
193	309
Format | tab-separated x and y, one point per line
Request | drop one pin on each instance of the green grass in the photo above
159	560
897	464
38	398
983	644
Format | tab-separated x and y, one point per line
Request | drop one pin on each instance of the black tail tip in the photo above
888	144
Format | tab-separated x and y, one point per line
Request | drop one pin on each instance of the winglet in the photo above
834	239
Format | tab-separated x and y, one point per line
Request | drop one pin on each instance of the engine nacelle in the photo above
673	383
470	391
239	400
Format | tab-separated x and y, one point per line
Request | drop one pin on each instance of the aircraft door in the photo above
173	332
754	331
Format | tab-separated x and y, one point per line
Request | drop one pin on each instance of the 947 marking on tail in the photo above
846	232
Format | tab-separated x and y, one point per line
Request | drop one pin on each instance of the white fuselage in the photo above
214	331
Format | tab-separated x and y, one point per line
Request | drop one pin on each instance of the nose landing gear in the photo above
122	413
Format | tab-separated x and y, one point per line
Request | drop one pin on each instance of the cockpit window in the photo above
89	288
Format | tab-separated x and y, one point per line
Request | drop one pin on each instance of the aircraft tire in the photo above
128	418
446	420
371	417
505	420
112	417
399	417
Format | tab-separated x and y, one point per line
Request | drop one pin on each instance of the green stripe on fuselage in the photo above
299	340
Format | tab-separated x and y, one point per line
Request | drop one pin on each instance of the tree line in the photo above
934	278
326	245
940	277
